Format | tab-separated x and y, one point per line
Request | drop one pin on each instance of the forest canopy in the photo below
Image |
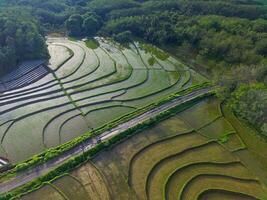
20	39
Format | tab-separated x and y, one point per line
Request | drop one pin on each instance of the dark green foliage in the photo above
50	13
250	103
123	37
20	40
74	25
194	7
206	26
153	28
217	38
103	7
243	90
91	24
151	61
86	25
261	47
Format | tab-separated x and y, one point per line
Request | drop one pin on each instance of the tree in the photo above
260	25
264	129
249	102
8	59
261	47
90	25
74	25
124	37
20	40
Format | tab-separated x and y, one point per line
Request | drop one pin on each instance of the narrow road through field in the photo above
44	168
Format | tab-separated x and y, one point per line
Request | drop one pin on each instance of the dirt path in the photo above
31	174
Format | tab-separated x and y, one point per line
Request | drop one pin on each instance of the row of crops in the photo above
196	154
87	86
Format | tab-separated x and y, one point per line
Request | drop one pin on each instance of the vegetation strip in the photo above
73	162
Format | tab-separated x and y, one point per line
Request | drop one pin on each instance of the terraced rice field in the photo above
186	156
86	85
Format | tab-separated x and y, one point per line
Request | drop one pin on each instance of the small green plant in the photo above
151	61
92	43
223	139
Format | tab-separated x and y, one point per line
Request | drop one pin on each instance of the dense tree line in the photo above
20	40
216	38
223	8
83	25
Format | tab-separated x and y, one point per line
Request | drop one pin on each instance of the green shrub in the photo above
92	44
151	61
123	37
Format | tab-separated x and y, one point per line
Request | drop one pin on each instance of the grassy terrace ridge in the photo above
199	167
76	161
